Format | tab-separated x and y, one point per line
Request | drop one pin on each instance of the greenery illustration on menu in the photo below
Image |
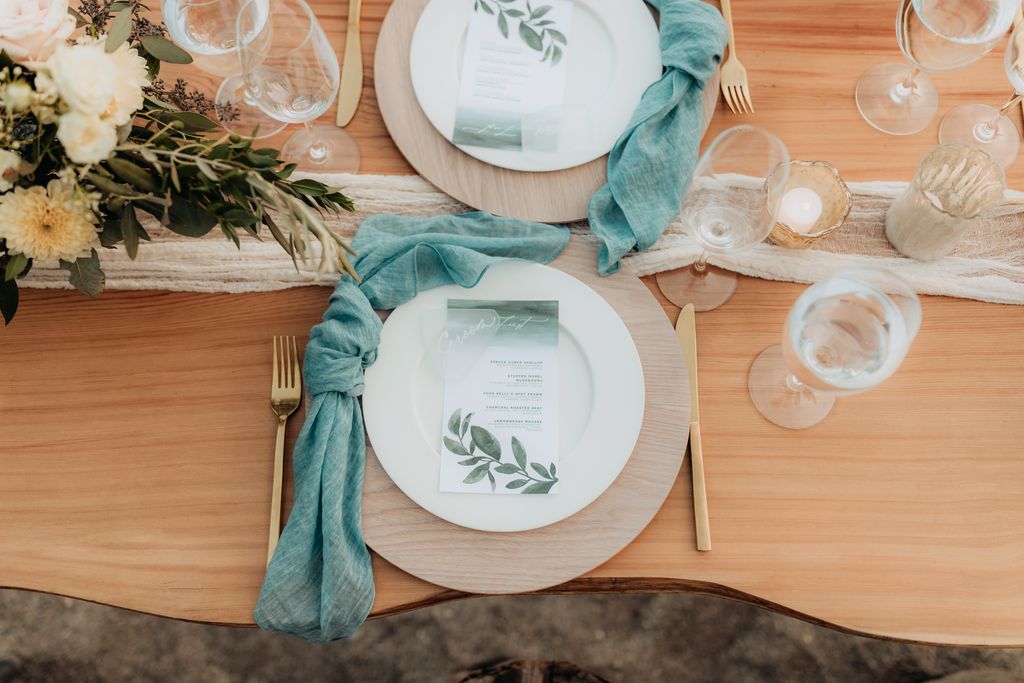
535	29
483	453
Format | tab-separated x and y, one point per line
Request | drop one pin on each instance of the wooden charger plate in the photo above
555	197
481	562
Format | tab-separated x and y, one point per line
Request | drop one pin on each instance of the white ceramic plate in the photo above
614	56
601	399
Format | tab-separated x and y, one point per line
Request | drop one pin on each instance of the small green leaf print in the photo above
487	8
454	421
554	470
477	474
519	452
540	469
454	446
540	12
556	54
558	36
486	441
517	483
539	487
507	468
503	25
490	478
530	37
515	14
465	425
470	461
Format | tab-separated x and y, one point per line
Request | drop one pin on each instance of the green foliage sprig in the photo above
534	29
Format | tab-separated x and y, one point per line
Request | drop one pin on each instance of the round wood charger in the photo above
481	562
555	197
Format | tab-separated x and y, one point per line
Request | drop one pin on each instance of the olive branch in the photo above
534	29
483	452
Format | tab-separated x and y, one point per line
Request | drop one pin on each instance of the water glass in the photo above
844	335
732	203
292	72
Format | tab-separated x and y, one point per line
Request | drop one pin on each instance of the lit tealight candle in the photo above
801	209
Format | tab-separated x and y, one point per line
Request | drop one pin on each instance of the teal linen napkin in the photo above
650	166
319	584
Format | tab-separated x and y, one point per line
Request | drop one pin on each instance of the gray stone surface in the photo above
646	638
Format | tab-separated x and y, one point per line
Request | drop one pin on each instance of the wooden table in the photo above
902	516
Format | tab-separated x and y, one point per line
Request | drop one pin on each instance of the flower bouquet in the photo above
91	143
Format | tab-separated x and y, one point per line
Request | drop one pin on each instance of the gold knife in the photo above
351	88
1016	22
686	330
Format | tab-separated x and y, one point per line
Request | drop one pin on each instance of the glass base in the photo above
322	148
249	121
891	107
770	390
706	290
972	124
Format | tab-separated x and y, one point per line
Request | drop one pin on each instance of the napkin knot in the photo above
343	345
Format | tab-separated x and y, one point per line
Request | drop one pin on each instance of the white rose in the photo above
84	77
87	138
11	165
30	30
131	76
18	96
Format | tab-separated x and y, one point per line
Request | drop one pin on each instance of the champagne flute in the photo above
987	127
845	335
206	29
291	70
726	209
934	36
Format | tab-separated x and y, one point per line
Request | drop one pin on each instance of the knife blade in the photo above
686	331
351	87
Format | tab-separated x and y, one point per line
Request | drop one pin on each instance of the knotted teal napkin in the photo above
319	584
650	166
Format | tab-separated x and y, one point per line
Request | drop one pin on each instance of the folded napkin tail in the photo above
651	165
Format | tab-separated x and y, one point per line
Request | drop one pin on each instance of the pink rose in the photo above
30	30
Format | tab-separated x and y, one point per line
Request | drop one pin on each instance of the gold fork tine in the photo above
728	100
296	369
746	98
276	379
285	397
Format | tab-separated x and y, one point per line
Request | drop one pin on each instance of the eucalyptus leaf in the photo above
470	461
507	468
454	446
519	452
558	36
465	425
539	487
186	218
165	50
503	24
485	7
540	12
119	31
517	483
486	441
477	474
530	37
454	421
85	273
556	55
490	478
554	471
8	300
540	469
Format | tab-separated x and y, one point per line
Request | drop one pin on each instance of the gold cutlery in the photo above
351	88
285	396
686	330
735	87
1016	22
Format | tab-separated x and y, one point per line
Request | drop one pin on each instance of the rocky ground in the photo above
671	638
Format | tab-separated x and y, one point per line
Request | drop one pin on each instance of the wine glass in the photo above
935	36
206	29
292	72
727	208
844	335
987	127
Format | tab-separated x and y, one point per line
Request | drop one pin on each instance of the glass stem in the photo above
317	149
700	266
794	385
909	85
988	130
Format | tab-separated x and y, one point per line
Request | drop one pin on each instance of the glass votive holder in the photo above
823	179
954	186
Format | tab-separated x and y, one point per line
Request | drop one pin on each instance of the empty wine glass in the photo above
292	72
206	29
726	209
987	127
935	36
844	335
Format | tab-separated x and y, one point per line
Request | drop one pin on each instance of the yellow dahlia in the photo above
47	223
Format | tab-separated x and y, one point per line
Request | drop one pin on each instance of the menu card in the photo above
513	74
500	431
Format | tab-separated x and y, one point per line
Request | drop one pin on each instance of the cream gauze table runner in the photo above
987	265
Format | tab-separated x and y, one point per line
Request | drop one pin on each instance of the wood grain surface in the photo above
900	516
443	553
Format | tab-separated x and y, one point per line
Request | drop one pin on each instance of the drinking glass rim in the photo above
968	149
313	22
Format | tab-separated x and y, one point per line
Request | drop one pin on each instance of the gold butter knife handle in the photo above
351	88
700	495
275	502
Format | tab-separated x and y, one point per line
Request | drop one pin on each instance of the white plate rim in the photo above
619	395
637	47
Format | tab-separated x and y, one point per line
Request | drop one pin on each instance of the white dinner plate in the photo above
614	55
601	395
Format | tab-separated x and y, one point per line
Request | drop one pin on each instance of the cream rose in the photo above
87	138
11	165
84	76
30	30
131	76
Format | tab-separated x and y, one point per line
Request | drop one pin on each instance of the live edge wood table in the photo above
136	444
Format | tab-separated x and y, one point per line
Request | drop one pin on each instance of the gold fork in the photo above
285	396
735	87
